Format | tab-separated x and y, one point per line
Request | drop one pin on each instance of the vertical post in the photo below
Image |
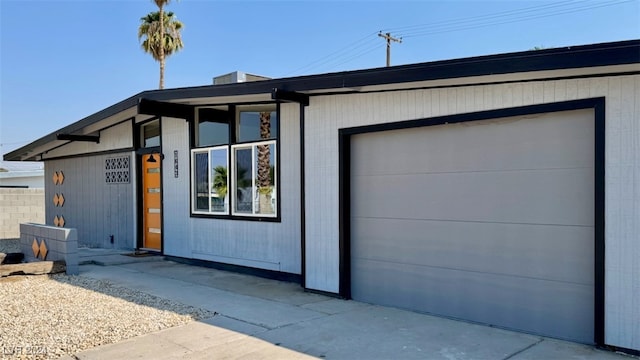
389	38
388	49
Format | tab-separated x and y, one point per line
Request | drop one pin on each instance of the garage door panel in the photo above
530	197
489	221
507	249
507	144
512	302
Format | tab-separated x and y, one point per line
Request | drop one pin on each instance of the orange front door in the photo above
152	204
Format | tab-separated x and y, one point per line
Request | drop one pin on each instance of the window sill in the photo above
270	219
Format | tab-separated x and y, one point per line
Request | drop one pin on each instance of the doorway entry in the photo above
151	202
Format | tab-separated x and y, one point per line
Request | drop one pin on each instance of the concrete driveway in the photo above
266	319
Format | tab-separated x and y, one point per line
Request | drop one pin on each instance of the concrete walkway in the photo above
108	257
266	319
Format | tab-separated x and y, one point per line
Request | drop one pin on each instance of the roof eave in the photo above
615	53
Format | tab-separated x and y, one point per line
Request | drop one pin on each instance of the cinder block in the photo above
62	246
52	245
71	259
34	230
73	269
71	247
52	232
73	235
23	209
35	209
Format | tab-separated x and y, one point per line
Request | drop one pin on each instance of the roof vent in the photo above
237	77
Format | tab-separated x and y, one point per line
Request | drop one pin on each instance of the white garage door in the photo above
489	221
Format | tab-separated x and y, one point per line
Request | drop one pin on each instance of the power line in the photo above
366	45
340	52
525	17
360	54
480	17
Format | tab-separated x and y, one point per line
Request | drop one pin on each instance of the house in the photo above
21	175
501	189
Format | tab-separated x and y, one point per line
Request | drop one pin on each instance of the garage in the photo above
489	221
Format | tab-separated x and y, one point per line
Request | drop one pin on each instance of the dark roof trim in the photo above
618	53
605	54
160	108
70	137
284	95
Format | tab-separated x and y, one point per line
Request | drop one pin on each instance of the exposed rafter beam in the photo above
71	137
161	108
285	95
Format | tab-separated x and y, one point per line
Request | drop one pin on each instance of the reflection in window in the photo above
150	134
201	181
219	180
233	162
257	125
210	181
254	179
212	127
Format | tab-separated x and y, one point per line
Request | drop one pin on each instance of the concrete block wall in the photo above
61	244
18	206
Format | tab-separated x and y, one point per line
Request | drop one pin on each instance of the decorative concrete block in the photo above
73	269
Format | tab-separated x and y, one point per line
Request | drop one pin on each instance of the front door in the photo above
152	203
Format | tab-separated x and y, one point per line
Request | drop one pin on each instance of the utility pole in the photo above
389	39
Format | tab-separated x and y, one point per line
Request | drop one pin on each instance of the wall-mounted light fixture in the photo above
151	159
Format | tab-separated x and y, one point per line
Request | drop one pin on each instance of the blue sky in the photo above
63	60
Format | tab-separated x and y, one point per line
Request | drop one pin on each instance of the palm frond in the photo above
149	34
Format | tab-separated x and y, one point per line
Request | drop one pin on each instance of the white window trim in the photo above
254	189
193	194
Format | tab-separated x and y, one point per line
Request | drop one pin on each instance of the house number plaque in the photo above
175	164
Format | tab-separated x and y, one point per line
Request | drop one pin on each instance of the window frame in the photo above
195	130
254	189
193	193
234	110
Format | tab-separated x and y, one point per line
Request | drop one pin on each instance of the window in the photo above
257	125
150	134
210	179
212	127
254	178
236	178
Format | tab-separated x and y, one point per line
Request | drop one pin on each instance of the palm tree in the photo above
161	4
265	185
220	180
151	29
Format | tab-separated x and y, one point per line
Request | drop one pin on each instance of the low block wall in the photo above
19	206
60	244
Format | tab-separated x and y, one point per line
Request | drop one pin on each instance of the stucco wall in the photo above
327	114
19	206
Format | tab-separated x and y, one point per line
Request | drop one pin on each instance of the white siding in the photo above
116	137
175	191
96	208
327	114
265	245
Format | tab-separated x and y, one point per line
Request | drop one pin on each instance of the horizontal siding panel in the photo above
116	137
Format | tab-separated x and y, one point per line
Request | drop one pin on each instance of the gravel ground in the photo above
43	317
